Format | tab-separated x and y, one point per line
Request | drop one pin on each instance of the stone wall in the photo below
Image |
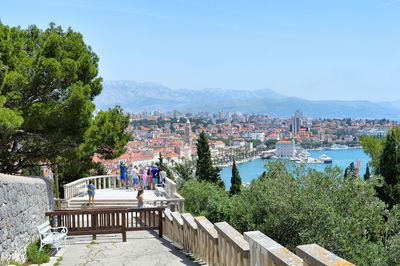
23	203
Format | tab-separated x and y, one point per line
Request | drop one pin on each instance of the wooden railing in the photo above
108	221
101	182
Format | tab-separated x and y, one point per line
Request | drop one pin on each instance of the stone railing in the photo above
176	204
208	240
170	187
220	244
170	191
233	249
101	182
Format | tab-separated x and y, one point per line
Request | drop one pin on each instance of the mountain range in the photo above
136	97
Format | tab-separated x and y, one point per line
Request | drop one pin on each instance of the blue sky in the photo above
315	49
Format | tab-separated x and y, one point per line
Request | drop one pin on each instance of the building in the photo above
285	148
238	142
188	133
296	122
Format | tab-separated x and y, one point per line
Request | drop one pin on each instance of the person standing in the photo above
162	175
123	174
154	172
140	198
144	178
91	191
135	178
149	179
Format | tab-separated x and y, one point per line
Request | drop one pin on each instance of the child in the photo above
91	191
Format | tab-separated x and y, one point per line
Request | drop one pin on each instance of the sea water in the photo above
341	158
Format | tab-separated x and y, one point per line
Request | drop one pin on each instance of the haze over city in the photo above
345	50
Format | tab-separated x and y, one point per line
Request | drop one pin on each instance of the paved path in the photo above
141	248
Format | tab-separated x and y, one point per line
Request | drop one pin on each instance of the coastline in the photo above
238	162
259	157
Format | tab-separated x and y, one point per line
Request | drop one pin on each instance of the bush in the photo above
36	257
207	199
299	207
295	206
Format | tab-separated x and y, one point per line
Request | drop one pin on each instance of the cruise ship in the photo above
337	147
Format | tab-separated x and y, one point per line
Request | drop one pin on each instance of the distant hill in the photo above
136	97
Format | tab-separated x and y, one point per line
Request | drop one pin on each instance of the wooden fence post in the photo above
160	225
94	225
124	214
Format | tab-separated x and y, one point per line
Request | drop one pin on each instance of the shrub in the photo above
35	256
205	198
299	207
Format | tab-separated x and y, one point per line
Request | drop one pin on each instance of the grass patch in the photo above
58	261
36	257
12	262
93	242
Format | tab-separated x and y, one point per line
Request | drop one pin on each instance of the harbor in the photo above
340	158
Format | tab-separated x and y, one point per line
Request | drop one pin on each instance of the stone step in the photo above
79	204
104	200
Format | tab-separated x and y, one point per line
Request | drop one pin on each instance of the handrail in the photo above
87	178
314	254
170	187
108	220
233	237
101	182
233	249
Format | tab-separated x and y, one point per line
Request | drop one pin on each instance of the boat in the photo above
266	156
337	147
325	158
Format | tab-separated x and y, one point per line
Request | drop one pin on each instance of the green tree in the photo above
350	171
271	143
389	168
48	80
299	206
367	174
163	167
204	167
236	181
205	198
373	147
185	169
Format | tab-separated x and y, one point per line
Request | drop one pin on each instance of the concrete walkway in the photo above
141	248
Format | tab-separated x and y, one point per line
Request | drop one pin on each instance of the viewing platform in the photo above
110	194
162	235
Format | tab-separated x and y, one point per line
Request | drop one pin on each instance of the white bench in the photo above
52	235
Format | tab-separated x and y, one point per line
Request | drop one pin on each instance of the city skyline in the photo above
343	50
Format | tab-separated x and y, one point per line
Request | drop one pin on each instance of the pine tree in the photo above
204	167
389	168
367	174
236	180
160	162
350	171
163	167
